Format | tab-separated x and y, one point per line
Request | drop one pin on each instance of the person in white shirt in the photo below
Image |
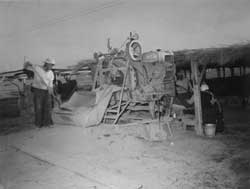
42	88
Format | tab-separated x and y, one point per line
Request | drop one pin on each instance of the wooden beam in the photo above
10	72
202	73
197	98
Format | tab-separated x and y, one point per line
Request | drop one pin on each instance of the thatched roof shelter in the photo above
230	56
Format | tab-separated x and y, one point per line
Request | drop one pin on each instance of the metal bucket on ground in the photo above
210	129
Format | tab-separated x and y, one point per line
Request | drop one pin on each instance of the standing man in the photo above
42	88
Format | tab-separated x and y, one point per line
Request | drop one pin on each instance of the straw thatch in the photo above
230	56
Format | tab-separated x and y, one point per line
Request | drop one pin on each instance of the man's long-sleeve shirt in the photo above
42	79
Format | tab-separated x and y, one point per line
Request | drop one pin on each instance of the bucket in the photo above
210	129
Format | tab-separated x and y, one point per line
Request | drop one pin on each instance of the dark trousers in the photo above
42	107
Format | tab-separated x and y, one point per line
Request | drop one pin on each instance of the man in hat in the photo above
42	88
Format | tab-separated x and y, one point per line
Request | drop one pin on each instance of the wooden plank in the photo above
197	98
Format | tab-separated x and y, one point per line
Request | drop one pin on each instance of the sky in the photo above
71	30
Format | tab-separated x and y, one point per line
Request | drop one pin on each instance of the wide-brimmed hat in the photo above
50	61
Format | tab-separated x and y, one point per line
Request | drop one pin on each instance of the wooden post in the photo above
197	98
203	73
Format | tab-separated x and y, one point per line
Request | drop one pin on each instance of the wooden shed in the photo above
198	60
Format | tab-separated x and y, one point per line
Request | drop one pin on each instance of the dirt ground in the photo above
106	157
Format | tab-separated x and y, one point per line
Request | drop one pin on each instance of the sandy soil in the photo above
22	171
106	157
